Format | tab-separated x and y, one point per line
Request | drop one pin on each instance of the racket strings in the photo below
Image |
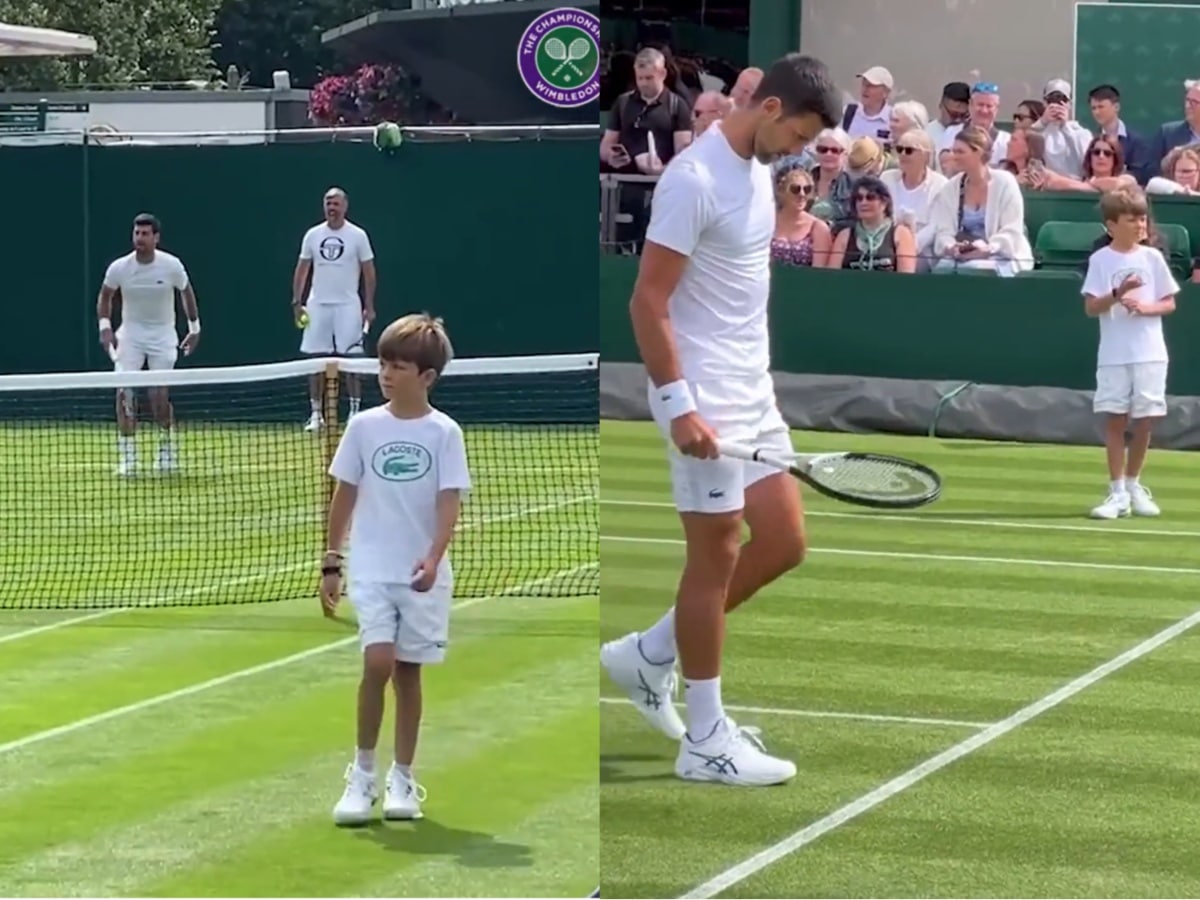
873	477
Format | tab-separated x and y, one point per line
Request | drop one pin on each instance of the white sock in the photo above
406	771
1118	485
355	403
167	439
365	759
316	407
127	446
658	643
704	707
1131	481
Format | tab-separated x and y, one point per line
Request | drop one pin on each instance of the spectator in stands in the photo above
801	239
913	186
1181	169
1105	101
953	109
745	86
648	125
1103	169
985	104
906	115
833	183
979	215
947	165
874	241
1181	133
872	116
866	157
1029	112
1026	158
1066	140
711	106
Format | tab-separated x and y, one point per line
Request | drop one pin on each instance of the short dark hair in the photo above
148	221
958	91
803	85
1105	92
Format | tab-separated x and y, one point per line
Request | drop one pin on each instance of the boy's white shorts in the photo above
417	624
1138	390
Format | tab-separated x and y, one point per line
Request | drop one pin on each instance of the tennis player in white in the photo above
147	280
401	469
337	253
699	312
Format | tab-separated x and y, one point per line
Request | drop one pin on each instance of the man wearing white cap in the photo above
1067	141
872	117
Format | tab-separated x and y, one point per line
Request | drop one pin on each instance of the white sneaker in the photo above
403	797
650	687
1115	506
1142	502
166	461
731	755
360	795
314	423
126	468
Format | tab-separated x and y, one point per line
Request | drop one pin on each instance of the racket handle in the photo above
112	352
735	450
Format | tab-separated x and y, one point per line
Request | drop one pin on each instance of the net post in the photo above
330	434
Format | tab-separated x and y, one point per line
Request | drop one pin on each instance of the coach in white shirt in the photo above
338	253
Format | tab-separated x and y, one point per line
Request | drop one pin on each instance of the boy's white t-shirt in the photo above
1126	338
399	467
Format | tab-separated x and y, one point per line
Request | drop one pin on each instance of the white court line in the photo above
868	801
941	520
260	576
824	714
949	557
159	699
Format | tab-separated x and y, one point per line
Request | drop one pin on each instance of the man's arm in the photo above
104	310
191	310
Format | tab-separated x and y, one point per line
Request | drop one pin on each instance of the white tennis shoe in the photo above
357	800
403	797
1115	506
314	423
1141	501
731	755
651	687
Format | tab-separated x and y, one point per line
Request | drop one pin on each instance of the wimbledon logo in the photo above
559	57
401	461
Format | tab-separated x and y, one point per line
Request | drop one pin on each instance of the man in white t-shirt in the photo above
872	115
982	111
401	469
147	280
335	317
699	312
1129	288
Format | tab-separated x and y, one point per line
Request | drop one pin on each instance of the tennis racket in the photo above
865	479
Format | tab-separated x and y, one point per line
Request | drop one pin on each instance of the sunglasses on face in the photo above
1101	151
908	151
865	198
1022	117
827	151
804	189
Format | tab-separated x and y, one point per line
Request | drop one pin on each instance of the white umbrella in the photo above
21	41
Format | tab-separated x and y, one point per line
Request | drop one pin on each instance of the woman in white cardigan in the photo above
913	187
978	217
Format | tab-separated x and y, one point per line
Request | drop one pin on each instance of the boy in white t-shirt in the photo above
1129	288
401	469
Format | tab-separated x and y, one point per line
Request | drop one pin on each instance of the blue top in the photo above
973	223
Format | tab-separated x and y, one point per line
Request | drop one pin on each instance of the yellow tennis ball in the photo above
302	322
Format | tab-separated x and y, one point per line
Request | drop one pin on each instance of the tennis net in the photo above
234	509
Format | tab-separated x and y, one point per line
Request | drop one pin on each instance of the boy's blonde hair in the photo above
1123	202
417	338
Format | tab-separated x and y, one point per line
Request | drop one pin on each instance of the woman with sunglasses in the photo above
1103	169
801	239
832	181
979	215
913	186
1027	113
875	242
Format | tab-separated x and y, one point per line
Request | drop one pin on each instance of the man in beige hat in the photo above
871	117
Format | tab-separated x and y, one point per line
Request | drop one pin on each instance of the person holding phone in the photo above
1066	140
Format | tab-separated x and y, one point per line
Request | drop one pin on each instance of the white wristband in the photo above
673	400
105	325
193	326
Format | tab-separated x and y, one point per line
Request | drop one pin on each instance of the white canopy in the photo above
22	41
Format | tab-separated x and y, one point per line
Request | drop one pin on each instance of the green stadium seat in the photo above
1066	245
1179	249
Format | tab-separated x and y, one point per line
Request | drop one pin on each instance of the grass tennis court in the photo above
902	636
199	751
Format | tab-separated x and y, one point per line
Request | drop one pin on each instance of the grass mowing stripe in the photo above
827	714
150	702
948	520
948	557
903	782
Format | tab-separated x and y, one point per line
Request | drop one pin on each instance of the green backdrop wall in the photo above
484	233
1146	49
1027	332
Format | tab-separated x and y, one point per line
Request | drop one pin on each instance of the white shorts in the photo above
1138	390
334	329
737	411
416	624
156	348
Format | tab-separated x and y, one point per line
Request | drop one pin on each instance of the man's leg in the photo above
349	339
130	358
317	341
163	359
